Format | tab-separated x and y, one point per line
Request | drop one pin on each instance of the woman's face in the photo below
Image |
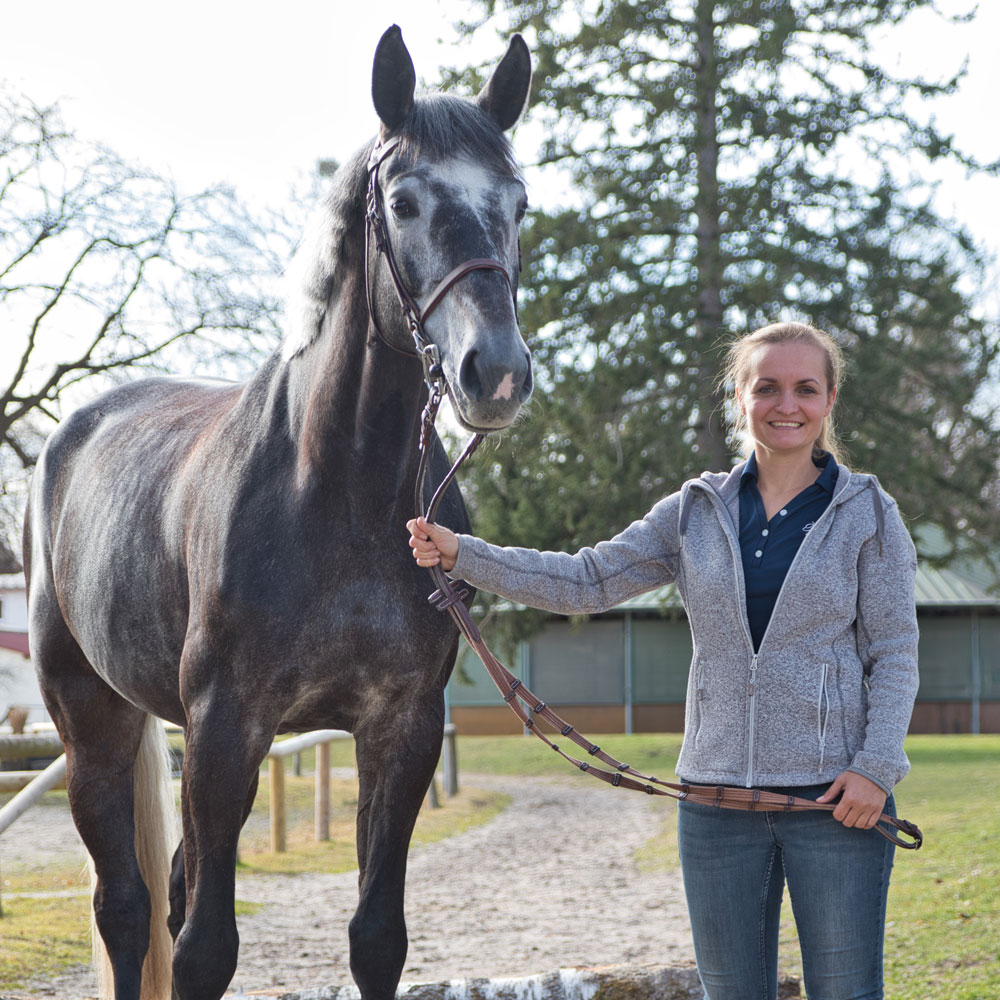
785	397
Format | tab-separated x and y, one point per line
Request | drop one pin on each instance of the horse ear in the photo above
393	79
504	96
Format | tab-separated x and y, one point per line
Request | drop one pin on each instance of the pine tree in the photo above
733	163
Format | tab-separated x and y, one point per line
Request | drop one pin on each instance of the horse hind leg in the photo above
118	787
178	886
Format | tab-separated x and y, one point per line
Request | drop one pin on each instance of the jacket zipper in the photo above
750	727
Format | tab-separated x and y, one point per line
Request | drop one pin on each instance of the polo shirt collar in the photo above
827	479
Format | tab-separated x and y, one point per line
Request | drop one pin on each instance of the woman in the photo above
797	577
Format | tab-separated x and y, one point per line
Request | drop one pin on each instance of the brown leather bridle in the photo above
375	228
525	704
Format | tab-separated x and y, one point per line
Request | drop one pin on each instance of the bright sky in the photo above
255	93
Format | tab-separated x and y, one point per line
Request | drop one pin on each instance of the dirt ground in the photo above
550	883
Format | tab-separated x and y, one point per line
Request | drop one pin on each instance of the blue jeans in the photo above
735	865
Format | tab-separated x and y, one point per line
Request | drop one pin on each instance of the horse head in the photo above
450	199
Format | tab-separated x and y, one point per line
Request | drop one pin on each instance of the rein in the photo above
523	702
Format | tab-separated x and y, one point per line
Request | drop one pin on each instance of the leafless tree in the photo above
105	269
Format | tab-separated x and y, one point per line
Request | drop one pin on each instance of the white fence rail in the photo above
32	785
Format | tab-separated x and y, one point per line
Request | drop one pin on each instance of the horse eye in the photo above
519	214
402	209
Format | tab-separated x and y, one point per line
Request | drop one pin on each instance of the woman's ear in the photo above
831	398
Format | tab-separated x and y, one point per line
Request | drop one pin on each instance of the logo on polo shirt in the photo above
806	527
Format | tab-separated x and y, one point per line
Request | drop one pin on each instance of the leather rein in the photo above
522	701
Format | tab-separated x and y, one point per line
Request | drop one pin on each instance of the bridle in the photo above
376	229
525	704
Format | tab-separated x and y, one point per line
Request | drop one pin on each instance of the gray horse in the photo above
232	557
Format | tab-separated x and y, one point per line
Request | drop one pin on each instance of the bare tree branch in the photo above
107	268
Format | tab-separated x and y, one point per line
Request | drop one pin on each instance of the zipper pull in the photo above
753	676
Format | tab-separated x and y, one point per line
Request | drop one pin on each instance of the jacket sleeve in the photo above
638	559
887	644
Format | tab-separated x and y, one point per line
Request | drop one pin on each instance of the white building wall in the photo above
13	603
18	685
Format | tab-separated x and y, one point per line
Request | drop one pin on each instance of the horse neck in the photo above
354	409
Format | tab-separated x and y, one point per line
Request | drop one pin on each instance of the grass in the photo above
42	937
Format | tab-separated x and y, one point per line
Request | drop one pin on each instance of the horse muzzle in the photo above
490	387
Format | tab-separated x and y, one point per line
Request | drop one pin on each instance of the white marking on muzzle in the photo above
505	390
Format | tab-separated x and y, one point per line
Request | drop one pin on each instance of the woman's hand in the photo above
432	544
861	801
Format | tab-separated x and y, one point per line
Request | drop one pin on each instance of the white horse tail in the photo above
156	837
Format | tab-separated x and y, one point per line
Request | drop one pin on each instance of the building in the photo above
626	670
18	685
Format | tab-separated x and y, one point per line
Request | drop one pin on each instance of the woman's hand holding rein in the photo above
432	544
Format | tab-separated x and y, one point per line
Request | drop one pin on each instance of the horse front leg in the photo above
395	767
223	754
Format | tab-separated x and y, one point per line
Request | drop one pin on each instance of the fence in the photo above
32	785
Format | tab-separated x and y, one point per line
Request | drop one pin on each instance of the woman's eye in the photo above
402	209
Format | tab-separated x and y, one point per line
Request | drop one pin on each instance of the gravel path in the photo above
549	883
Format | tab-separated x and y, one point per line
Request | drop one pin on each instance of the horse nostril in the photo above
526	386
468	377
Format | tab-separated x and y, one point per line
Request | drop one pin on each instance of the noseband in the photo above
375	226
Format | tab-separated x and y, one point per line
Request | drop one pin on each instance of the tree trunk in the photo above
709	426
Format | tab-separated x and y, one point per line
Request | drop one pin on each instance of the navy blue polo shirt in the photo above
768	547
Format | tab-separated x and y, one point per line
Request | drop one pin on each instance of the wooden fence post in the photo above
449	762
276	773
322	792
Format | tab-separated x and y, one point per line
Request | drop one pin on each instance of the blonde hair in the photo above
736	372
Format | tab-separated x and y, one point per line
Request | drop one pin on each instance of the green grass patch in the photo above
943	933
42	937
651	753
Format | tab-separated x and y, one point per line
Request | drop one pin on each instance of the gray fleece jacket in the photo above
832	685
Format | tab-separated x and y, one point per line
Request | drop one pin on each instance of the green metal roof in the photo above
945	588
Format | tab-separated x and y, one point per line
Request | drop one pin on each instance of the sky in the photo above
256	93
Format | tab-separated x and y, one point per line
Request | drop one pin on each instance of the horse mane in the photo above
438	126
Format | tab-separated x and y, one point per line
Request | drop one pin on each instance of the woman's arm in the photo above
641	557
887	644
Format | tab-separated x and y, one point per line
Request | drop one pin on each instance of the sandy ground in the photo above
550	883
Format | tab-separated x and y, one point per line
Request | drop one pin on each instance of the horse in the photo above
232	557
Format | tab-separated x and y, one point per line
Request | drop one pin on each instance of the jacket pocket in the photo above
822	715
699	696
